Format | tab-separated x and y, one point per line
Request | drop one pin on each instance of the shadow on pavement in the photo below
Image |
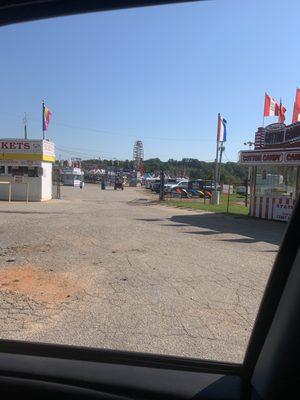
253	230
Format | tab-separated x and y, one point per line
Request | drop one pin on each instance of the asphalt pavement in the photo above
114	269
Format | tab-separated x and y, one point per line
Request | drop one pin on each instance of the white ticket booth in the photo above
26	169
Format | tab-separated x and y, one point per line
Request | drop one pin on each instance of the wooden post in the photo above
27	191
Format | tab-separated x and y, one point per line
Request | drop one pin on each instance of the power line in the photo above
108	132
227	157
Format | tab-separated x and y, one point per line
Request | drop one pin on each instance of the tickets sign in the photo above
19	149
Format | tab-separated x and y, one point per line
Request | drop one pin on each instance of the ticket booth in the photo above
26	169
275	171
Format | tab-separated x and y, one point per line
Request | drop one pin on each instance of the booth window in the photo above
2	169
277	181
33	172
19	171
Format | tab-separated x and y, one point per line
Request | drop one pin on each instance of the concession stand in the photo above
26	169
274	166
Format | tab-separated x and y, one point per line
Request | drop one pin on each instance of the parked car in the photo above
153	183
241	190
181	184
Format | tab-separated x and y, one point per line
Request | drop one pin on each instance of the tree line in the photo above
231	172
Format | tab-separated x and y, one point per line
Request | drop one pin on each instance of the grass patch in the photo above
236	205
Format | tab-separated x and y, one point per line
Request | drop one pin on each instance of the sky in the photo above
159	74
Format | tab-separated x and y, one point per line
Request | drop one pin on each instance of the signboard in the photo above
278	136
21	163
282	212
18	179
20	149
260	157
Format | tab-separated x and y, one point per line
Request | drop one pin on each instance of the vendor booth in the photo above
274	170
72	176
26	169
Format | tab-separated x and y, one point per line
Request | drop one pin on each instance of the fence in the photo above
9	189
234	198
26	189
56	183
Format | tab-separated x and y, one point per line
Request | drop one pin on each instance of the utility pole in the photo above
222	148
217	154
215	194
25	126
162	185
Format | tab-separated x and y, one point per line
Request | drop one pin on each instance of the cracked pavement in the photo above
114	269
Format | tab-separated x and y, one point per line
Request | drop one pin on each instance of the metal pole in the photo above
228	196
25	126
217	152
220	162
9	192
162	186
246	194
43	115
27	191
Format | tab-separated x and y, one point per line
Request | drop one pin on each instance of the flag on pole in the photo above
46	117
222	133
296	112
281	112
271	106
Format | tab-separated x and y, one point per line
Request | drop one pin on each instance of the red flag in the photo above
281	113
296	112
271	106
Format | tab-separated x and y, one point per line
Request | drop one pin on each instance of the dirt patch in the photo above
26	249
38	284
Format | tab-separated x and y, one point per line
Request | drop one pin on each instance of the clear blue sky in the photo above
159	74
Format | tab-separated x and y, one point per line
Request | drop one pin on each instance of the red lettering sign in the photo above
15	145
293	157
4	145
277	157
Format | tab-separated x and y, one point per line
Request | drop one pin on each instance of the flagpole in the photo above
25	126
217	153
263	121
220	161
43	116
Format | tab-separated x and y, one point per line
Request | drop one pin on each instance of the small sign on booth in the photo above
18	179
282	212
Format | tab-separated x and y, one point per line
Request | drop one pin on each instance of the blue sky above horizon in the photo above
159	74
